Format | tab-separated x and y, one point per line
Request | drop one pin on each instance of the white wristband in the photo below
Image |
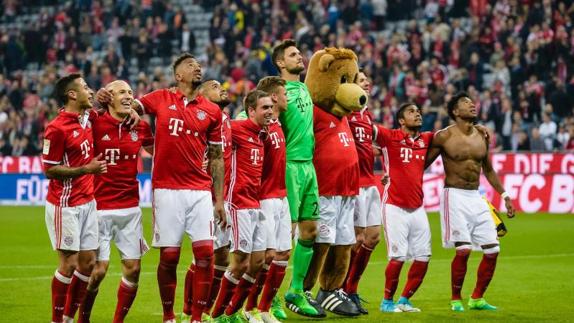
504	195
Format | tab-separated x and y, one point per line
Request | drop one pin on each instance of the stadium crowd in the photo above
514	57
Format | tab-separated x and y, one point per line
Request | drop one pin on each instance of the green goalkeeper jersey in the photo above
297	122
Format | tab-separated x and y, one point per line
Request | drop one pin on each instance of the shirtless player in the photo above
465	216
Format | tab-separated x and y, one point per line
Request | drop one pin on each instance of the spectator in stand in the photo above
537	143
548	131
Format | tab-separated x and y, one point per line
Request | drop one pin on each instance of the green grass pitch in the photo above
534	280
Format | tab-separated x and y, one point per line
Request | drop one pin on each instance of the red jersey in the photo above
404	161
226	140
273	178
68	141
246	164
335	159
361	124
182	132
119	188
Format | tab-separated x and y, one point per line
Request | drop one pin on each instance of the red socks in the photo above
76	293
215	284
272	283
86	307
240	294
167	279
188	291
228	284
392	274
126	295
202	276
358	265
458	271
485	273
60	284
251	302
417	272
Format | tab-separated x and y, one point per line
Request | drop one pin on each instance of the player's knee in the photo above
491	250
169	256
372	240
203	253
86	265
221	257
269	256
463	249
282	255
360	239
132	271
98	274
308	230
422	258
398	259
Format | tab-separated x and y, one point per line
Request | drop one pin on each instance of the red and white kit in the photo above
273	194
222	235
247	231
368	209
337	165
181	183
117	190
406	225
70	207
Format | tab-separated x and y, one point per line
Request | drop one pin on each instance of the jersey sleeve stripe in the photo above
52	162
215	142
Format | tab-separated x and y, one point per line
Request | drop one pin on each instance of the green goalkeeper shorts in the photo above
302	191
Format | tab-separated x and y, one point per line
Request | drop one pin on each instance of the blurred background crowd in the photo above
514	57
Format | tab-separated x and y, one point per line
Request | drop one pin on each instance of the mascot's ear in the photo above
325	61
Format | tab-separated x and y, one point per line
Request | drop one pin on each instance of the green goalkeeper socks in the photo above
301	260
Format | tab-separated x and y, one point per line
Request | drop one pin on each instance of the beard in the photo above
223	103
195	83
296	70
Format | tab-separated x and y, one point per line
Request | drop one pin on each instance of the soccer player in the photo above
187	142
117	197
301	179
407	231
274	205
465	216
248	242
368	203
70	207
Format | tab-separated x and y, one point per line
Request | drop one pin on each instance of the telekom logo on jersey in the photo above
175	126
406	154
85	146
112	155
274	139
344	139
360	134
255	156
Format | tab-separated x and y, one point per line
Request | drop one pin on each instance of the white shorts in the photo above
72	228
407	232
248	233
278	223
221	236
465	217
124	227
336	220
176	212
368	210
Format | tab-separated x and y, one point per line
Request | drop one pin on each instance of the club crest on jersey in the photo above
134	135
68	240
75	134
421	143
201	115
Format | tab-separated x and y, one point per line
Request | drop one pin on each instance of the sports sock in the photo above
188	291
228	284
60	284
251	302
215	284
76	293
202	277
167	279
301	259
417	272
87	305
392	274
458	271
126	294
272	284
240	294
358	265
351	261
484	274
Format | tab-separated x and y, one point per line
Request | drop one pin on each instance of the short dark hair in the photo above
402	108
63	85
279	51
451	105
180	59
270	84
252	98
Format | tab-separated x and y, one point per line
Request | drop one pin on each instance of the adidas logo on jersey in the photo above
75	134
106	138
250	139
332	125
353	118
172	107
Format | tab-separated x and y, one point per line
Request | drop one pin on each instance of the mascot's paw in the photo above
337	302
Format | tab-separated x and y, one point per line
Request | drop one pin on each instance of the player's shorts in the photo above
72	228
248	233
368	210
336	222
465	217
407	232
124	227
221	236
278	223
176	212
302	191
